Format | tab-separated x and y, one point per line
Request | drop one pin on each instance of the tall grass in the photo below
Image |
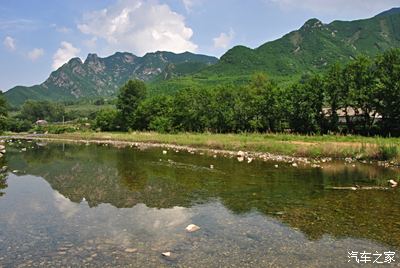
388	152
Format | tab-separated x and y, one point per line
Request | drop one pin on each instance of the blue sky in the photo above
38	36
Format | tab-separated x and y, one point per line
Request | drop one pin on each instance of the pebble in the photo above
131	250
240	158
166	254
164	152
192	228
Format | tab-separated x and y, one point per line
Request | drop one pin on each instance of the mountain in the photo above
99	77
313	47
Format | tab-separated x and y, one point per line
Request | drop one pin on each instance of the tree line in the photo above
360	97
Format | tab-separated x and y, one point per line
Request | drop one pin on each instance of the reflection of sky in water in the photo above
36	221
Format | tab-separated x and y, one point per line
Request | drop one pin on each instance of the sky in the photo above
38	36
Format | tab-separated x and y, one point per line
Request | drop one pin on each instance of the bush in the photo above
17	125
161	124
54	129
106	120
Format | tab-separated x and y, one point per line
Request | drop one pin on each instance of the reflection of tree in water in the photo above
3	183
3	176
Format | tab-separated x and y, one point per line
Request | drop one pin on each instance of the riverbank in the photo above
280	146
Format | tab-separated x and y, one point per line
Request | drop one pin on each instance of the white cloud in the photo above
35	53
64	54
189	4
140	27
338	7
224	39
9	43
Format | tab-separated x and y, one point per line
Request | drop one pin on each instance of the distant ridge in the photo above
101	77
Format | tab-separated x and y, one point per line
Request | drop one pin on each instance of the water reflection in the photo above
102	200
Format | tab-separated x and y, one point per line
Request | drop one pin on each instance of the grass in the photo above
286	144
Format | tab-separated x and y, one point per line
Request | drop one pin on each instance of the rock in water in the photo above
166	254
212	166
294	165
164	152
241	154
131	250
393	183
192	228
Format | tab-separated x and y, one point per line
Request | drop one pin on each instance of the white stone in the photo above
240	154
393	183
164	152
192	228
130	250
166	254
295	165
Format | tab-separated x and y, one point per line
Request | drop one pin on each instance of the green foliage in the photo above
17	125
388	85
306	99
130	96
107	120
54	129
42	110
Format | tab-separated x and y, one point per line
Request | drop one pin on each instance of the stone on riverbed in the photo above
131	250
192	228
241	154
393	183
166	254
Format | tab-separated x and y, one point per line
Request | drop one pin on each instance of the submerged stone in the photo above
192	228
131	250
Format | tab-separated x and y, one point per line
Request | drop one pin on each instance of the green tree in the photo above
192	110
35	110
130	96
388	86
362	91
155	113
266	106
333	85
3	112
107	120
223	109
305	111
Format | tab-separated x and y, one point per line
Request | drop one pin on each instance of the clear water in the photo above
77	205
